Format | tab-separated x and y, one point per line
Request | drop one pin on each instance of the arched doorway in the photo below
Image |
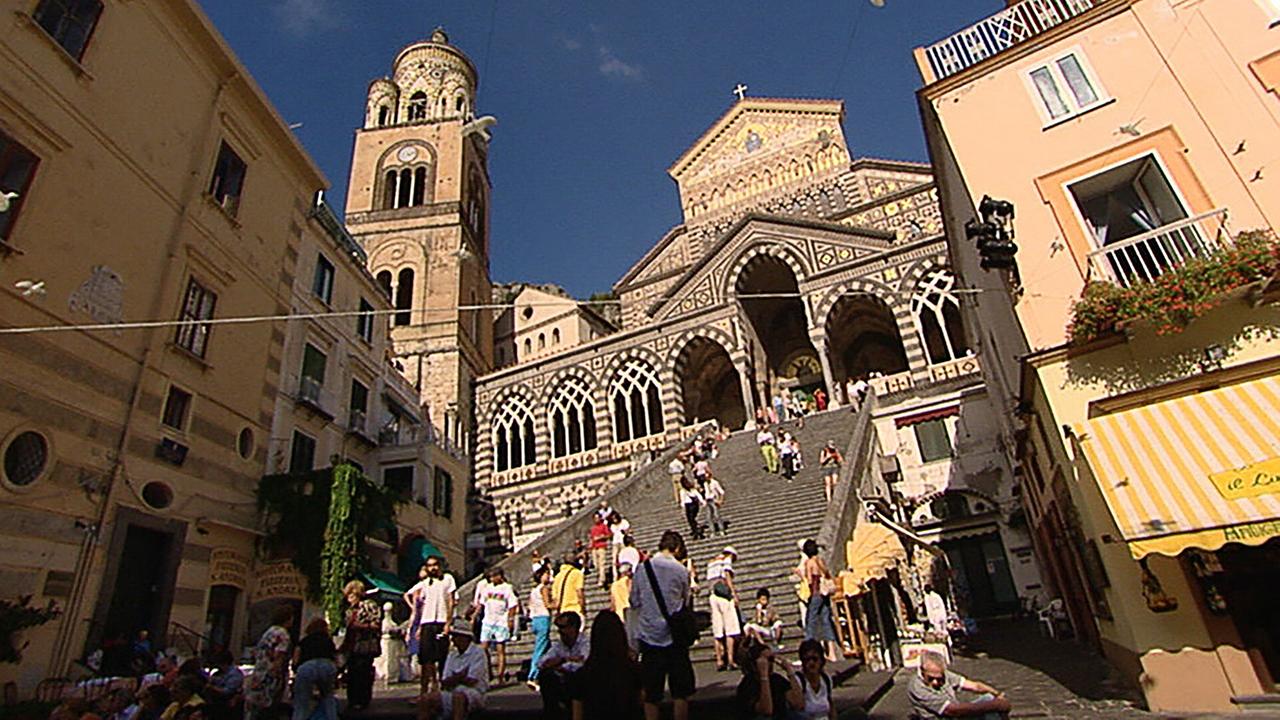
863	339
709	384
770	297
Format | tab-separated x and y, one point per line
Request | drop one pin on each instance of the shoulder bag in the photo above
684	627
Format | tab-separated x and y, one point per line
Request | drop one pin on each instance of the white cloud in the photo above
304	17
611	64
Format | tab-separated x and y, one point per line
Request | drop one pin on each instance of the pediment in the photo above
810	247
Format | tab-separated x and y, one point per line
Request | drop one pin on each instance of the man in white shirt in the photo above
465	679
714	493
662	658
564	658
676	470
500	606
432	601
725	625
629	554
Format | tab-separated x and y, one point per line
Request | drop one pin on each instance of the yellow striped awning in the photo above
1197	471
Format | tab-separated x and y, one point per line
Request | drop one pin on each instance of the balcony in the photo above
1145	257
998	33
311	395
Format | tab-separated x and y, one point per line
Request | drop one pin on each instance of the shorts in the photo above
770	631
724	618
494	633
475	700
432	648
660	664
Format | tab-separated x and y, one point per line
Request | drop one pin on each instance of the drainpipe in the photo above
60	661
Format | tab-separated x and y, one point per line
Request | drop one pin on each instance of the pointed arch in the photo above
514	442
635	400
571	418
937	317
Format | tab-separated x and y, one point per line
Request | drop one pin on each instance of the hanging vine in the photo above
319	520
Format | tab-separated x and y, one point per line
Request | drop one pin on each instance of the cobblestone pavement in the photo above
1043	678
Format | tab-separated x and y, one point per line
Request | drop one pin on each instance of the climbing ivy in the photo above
319	519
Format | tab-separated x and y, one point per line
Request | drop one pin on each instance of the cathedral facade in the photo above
796	267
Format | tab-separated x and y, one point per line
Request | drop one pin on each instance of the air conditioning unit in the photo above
171	451
357	421
309	390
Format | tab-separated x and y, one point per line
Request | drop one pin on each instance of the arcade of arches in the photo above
863	338
784	355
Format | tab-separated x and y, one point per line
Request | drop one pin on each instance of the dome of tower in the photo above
436	81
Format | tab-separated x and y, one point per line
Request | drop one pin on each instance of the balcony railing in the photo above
1000	32
1145	257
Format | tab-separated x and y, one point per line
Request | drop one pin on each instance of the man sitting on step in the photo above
933	690
558	667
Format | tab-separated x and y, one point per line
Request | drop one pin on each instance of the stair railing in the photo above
553	544
842	512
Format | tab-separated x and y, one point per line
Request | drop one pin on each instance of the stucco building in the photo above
794	268
1132	138
147	178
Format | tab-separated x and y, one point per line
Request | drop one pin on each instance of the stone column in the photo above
819	341
740	365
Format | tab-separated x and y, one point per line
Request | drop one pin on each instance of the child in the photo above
765	625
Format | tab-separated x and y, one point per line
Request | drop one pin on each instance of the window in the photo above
384	283
573	419
542	341
26	458
404	298
937	314
228	180
322	283
513	440
399	480
313	366
555	336
359	404
1134	200
442	494
528	346
636	400
175	408
17	167
1272	9
364	321
932	437
1065	87
302	455
197	309
384	115
417	106
69	22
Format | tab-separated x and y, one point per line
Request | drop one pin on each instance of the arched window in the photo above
555	336
513	440
390	189
572	417
528	346
404	297
384	116
417	106
419	185
937	314
460	104
405	196
384	282
636	400
542	341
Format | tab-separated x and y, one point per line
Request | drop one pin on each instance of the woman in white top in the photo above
618	528
814	683
539	619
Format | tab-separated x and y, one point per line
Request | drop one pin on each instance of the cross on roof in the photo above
740	91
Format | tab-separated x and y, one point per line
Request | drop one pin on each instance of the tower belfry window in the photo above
405	194
419	186
384	116
404	297
417	106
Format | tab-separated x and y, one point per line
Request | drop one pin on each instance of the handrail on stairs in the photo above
553	544
842	512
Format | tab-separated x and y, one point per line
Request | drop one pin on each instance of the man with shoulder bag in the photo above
662	627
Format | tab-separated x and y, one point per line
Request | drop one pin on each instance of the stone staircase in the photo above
767	515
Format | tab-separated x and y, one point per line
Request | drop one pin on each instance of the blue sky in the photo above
594	100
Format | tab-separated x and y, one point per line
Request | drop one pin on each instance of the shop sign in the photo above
1252	532
228	567
1261	478
279	580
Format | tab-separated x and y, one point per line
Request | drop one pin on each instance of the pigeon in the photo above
30	287
6	199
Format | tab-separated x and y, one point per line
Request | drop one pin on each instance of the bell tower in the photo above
418	202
